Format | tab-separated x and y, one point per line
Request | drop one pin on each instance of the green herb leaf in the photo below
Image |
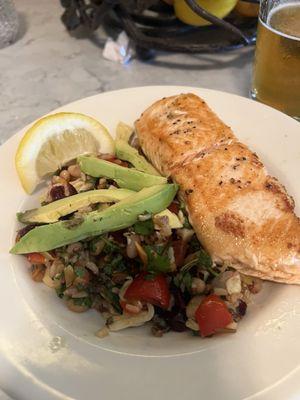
79	271
150	276
115	264
110	246
183	280
144	228
60	290
112	298
158	259
194	244
84	301
204	259
186	224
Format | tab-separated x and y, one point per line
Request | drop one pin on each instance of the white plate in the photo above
47	352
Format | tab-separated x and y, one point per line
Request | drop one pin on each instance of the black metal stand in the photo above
160	29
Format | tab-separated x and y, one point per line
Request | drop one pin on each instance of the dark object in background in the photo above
152	25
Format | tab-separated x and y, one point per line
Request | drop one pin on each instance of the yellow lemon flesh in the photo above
56	139
219	8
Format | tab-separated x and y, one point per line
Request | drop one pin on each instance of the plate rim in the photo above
11	141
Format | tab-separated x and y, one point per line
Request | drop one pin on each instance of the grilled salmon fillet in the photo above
242	216
178	127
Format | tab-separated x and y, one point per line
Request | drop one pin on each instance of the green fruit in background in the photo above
219	8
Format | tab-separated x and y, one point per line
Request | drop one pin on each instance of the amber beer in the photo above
276	75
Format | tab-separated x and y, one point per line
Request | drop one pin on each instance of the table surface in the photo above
47	67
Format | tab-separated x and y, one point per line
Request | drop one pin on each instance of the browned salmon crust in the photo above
241	215
178	127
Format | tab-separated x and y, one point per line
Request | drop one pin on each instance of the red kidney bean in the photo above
57	192
71	189
242	308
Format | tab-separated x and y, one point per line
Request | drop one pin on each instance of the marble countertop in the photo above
47	68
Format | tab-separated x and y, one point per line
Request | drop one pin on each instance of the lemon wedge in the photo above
56	139
219	8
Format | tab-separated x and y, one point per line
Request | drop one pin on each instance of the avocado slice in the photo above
53	211
174	221
129	178
123	131
126	152
119	216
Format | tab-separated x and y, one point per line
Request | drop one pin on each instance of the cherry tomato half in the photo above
152	290
212	314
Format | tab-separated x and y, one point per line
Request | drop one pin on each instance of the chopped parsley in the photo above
158	259
144	228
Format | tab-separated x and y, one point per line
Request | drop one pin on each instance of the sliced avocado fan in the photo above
57	209
128	153
129	178
119	216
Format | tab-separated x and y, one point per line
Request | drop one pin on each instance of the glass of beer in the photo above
276	73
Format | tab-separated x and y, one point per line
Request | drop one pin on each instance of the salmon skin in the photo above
242	216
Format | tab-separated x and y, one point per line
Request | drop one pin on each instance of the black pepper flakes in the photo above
220	183
232	180
188	191
175	132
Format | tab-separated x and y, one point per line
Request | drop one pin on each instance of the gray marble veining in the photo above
47	68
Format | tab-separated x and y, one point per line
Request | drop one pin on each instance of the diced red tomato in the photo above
174	207
180	249
36	258
154	291
212	315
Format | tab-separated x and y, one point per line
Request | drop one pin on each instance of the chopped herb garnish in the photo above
115	264
110	246
194	244
150	276
158	259
202	259
186	224
84	301
60	290
144	228
183	280
112	298
79	271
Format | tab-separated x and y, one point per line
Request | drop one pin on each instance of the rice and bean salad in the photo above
148	273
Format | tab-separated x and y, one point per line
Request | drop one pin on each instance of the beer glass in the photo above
276	72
